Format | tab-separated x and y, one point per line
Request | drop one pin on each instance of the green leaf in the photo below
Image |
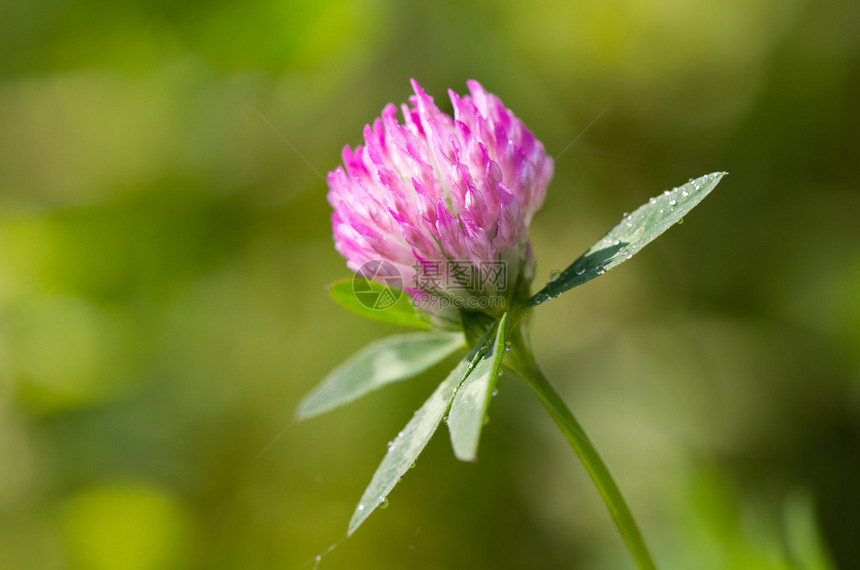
628	238
410	442
382	362
469	409
380	303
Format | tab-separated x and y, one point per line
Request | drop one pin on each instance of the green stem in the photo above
523	364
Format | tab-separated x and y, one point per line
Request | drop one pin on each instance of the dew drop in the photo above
390	445
383	504
599	270
685	194
542	298
412	466
495	392
554	274
652	201
680	221
672	202
579	270
360	507
508	346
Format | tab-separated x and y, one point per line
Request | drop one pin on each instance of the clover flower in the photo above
441	200
446	200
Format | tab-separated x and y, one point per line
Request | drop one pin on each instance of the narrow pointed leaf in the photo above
409	443
469	408
628	238
378	303
391	359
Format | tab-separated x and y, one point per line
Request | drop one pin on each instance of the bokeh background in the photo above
164	250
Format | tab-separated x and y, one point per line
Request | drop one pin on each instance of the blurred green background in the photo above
163	256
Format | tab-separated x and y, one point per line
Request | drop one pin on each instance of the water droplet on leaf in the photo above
383	504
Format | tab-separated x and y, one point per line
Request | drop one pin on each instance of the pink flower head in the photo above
446	200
